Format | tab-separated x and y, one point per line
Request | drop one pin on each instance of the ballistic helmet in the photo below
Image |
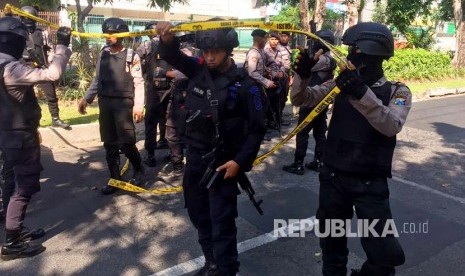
151	25
13	27
371	38
30	23
114	25
217	39
185	36
326	35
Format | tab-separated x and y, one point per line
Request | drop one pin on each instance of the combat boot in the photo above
315	165
56	122
114	173
34	234
136	178
150	160
209	269
173	178
15	247
296	168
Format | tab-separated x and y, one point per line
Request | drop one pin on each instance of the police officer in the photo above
119	85
224	113
367	115
322	71
176	112
19	119
263	70
278	95
158	87
286	54
36	53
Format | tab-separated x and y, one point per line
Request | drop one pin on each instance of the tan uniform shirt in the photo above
18	76
136	73
255	65
388	120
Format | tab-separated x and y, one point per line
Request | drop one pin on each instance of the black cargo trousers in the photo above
213	212
370	196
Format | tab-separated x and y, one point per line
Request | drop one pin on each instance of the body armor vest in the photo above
209	101
114	80
36	50
15	115
353	146
154	63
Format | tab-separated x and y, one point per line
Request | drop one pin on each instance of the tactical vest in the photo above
36	50
15	115
209	101
114	80
353	146
154	61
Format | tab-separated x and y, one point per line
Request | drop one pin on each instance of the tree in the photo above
304	15
165	5
459	57
43	5
288	14
379	15
319	13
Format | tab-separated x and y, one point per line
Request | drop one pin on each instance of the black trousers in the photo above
319	126
173	139
155	116
51	96
21	174
213	213
370	197
283	94
117	130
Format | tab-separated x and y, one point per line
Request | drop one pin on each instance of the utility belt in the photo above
161	83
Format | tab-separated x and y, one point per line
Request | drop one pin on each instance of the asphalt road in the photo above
140	234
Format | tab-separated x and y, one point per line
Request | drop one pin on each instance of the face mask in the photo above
370	68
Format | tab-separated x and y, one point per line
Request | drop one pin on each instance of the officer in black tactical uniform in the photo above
367	115
19	141
224	129
322	71
119	86
176	111
36	54
158	87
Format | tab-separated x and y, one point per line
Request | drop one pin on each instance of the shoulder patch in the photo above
256	97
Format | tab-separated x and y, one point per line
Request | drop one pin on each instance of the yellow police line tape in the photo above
328	99
136	189
212	25
194	26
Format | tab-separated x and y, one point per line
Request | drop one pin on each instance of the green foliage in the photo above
288	14
419	64
43	5
379	14
402	13
331	18
420	37
446	10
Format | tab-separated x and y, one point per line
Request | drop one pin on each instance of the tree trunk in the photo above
319	13
352	12
459	57
303	7
360	7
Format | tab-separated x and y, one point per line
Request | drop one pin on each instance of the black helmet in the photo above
151	25
217	39
30	23
326	35
13	26
114	25
371	38
185	36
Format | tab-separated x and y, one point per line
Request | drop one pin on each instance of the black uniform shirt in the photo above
248	106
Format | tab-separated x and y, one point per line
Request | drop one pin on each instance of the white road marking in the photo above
244	246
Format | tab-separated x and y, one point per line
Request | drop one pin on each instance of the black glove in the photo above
304	64
351	83
64	36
